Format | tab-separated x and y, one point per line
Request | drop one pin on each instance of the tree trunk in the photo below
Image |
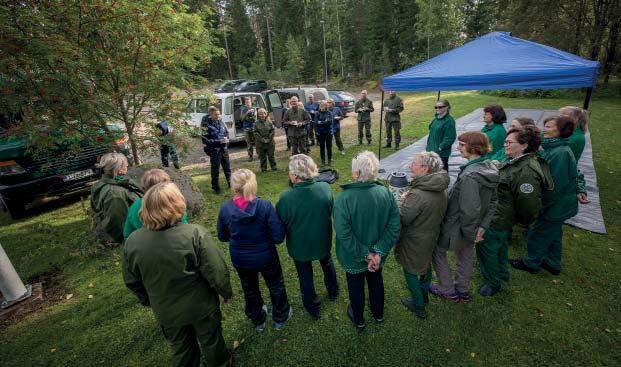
601	11
134	148
269	42
613	37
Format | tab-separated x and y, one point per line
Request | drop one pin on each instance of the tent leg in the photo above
438	96
381	170
587	98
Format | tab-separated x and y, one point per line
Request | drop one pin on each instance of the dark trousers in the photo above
265	152
187	341
337	139
219	157
445	163
325	143
307	286
272	275
355	287
366	125
310	132
287	137
298	145
165	150
390	126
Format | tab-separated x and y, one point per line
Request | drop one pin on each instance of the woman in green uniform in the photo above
524	177
494	118
111	197
442	132
544	242
580	118
179	272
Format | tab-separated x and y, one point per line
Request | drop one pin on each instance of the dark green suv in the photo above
24	178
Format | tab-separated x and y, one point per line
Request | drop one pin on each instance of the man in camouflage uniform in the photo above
296	119
363	108
248	116
393	107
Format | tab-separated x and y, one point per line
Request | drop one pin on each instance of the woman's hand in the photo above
582	198
479	236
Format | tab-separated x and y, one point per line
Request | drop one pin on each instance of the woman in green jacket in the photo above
494	118
264	139
544	242
422	210
472	202
524	178
306	211
580	118
111	197
179	272
516	123
149	179
442	132
366	222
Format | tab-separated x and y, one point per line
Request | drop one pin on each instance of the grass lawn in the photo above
538	320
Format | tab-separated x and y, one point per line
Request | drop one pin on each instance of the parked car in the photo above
251	86
230	105
302	93
25	178
228	86
343	100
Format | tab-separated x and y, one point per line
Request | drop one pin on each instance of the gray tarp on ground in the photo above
589	215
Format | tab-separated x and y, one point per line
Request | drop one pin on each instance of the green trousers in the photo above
206	332
544	244
493	253
418	286
250	141
265	152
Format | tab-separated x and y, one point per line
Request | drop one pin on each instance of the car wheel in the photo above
14	207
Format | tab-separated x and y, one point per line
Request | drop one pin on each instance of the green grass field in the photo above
537	320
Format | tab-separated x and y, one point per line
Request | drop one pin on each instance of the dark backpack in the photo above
328	175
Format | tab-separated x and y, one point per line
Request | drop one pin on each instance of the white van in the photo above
230	110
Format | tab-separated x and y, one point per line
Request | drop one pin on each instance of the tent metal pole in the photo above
438	96
381	170
587	98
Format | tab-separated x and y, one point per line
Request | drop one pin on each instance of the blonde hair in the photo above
579	115
303	167
267	115
111	163
152	177
244	182
367	165
163	205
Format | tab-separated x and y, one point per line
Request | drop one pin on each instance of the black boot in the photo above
519	265
550	269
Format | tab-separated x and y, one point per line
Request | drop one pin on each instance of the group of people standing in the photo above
179	271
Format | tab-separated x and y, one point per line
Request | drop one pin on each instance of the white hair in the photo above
366	165
302	166
430	160
111	163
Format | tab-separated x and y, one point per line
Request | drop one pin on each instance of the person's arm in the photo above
345	233
223	230
370	108
491	209
409	208
275	225
449	136
133	281
399	107
391	232
272	131
213	267
305	118
115	213
469	207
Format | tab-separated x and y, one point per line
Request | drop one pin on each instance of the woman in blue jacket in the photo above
324	130
253	228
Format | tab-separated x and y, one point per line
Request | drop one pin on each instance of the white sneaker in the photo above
281	325
261	328
342	152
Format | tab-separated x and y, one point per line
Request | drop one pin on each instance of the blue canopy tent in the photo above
497	60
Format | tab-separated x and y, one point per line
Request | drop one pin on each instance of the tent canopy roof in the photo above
497	60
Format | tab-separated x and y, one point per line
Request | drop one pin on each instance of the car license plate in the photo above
78	175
